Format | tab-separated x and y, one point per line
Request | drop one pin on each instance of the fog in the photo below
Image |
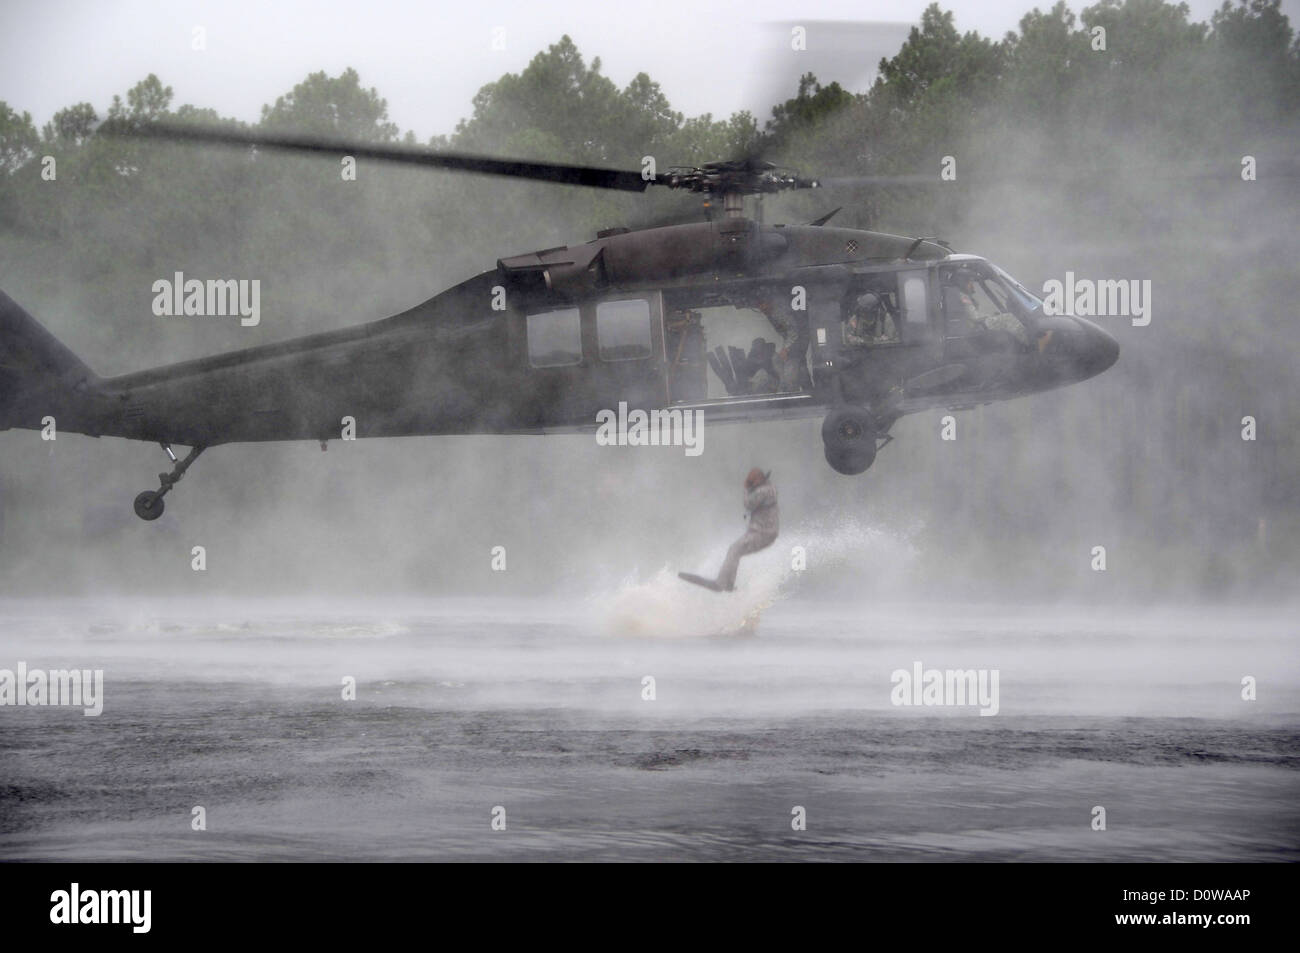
1146	460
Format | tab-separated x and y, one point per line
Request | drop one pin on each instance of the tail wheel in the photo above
149	505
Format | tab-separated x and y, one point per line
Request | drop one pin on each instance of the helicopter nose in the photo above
1095	350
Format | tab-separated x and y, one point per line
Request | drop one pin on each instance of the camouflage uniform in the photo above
994	322
782	320
1007	322
761	373
794	333
760	504
870	323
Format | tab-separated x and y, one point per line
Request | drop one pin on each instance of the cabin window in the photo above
623	329
555	338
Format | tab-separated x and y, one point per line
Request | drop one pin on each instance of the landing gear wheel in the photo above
149	505
850	464
849	434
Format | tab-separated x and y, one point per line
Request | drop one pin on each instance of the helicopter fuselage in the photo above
546	341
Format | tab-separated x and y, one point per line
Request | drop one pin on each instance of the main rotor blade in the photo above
904	179
563	173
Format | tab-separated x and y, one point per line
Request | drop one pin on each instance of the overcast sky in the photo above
429	58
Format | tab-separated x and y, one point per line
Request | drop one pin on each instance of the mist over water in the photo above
537	705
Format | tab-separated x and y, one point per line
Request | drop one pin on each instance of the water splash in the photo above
664	606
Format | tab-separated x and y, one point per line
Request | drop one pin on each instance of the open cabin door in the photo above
739	351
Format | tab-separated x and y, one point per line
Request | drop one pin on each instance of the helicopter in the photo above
874	326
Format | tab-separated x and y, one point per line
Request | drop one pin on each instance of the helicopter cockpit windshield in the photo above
980	298
1031	306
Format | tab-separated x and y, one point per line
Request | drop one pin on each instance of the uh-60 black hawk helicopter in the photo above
867	327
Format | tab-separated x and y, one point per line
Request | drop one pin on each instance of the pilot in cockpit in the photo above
965	300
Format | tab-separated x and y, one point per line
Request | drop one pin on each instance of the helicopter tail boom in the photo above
39	375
